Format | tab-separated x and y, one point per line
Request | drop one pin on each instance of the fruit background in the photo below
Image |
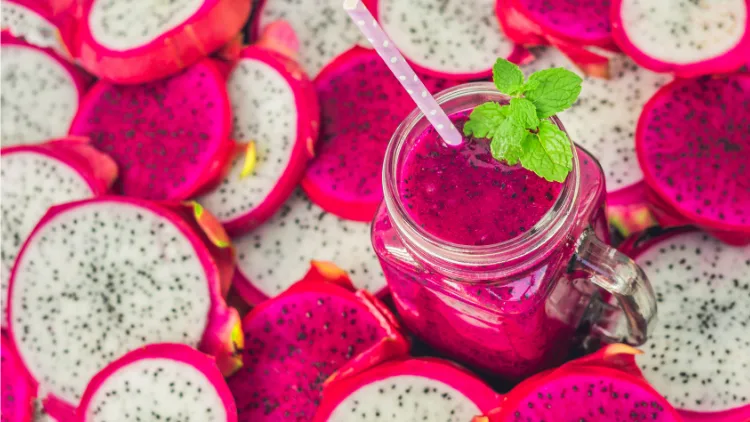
187	188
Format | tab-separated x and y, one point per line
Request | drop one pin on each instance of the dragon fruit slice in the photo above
687	38
35	177
697	356
18	392
272	257
275	109
409	390
32	114
131	43
170	138
31	21
362	103
295	341
595	388
691	141
323	28
580	29
159	382
450	39
115	274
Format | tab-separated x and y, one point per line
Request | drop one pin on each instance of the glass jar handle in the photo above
632	320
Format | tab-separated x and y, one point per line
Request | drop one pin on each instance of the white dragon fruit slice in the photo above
111	275
688	38
451	39
425	389
698	354
40	93
26	20
159	382
323	28
274	107
141	41
277	254
35	177
604	118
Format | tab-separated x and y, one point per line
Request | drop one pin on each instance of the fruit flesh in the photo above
23	22
18	393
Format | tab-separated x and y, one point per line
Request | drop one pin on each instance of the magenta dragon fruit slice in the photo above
35	177
275	255
294	342
323	28
362	103
159	382
424	389
115	274
33	22
132	43
449	39
697	356
18	392
40	92
170	138
580	29
275	109
687	38
692	142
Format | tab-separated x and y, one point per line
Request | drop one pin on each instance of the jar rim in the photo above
516	250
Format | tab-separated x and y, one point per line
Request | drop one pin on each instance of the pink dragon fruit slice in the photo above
449	39
159	382
170	138
275	108
18	392
687	38
596	388
272	257
580	29
691	142
323	28
424	389
35	177
40	92
295	341
697	356
32	21
132	43
115	274
362	103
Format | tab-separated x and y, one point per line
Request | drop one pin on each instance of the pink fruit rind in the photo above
518	55
433	368
667	210
81	79
728	62
96	168
17	404
308	117
212	26
131	180
174	352
222	335
628	209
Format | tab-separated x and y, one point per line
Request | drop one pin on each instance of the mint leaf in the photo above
548	153
506	142
484	120
556	90
507	76
523	113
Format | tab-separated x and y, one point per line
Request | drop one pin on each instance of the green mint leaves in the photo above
518	131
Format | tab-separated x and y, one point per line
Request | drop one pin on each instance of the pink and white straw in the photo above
401	69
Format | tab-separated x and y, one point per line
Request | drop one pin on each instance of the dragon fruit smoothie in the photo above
512	316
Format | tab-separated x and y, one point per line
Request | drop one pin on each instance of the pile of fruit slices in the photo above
161	176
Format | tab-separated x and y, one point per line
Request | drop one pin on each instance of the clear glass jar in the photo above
512	308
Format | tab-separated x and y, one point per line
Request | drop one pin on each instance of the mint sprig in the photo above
518	130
